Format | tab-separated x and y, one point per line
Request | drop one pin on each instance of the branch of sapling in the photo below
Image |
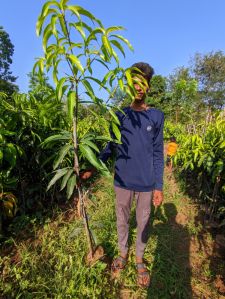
87	66
112	94
76	161
71	49
68	34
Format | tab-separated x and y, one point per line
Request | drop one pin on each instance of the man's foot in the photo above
118	265
143	277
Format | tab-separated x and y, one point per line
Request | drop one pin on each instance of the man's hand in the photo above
86	174
157	197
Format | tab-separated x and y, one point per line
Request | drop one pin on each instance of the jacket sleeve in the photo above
158	154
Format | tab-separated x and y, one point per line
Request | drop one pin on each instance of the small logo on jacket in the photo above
149	128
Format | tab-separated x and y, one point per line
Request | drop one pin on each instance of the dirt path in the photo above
203	261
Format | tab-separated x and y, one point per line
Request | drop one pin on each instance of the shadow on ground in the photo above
170	272
213	247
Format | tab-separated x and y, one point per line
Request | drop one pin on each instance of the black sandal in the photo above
141	275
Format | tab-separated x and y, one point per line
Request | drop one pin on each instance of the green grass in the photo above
51	264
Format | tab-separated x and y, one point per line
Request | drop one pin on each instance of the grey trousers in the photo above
124	200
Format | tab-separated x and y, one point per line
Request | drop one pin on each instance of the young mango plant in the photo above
203	154
25	121
76	45
9	153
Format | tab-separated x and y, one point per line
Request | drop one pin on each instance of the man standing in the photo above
138	169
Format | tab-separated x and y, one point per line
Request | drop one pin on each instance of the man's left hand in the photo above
157	197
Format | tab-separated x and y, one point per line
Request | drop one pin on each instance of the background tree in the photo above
209	70
157	95
39	85
36	81
6	53
183	95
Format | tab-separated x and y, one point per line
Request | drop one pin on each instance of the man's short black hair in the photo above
146	70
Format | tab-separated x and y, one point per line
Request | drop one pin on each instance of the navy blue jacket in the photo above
139	159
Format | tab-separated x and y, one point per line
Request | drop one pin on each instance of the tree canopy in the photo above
6	53
209	70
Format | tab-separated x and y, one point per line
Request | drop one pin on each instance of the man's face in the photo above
141	88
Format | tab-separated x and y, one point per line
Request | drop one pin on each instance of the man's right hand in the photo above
86	174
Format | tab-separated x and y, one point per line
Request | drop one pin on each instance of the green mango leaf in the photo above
84	12
57	137
63	152
114	28
103	63
71	185
46	6
115	118
66	178
130	90
45	12
104	138
84	25
116	131
115	56
6	132
107	76
89	143
71	102
118	46
124	40
7	105
201	160
104	170
74	10
100	83
74	60
106	45
129	77
90	156
94	79
39	25
50	60
195	156
41	65
55	77
74	45
46	35
81	11
59	88
88	87
222	145
62	24
54	19
57	176
121	84
79	29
